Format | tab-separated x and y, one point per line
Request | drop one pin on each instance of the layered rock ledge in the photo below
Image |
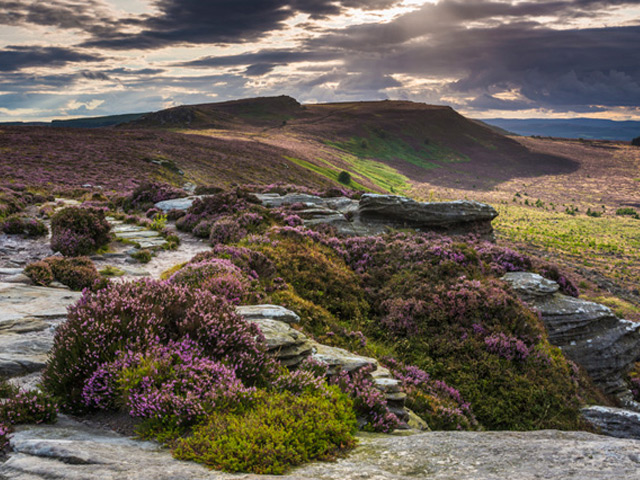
588	333
375	214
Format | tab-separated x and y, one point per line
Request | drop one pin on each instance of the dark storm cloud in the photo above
263	56
504	50
89	15
14	58
222	21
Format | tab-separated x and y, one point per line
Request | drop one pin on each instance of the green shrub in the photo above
158	223
280	431
636	142
344	177
627	211
317	274
79	231
142	256
77	273
40	273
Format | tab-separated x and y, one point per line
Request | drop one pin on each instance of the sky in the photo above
486	59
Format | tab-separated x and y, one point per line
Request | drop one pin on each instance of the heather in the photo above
429	302
77	273
135	317
18	406
195	375
79	231
30	227
147	194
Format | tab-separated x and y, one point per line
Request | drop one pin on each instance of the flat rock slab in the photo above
486	456
340	359
424	214
72	451
271	312
19	301
176	204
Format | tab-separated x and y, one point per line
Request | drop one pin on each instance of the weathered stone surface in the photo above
588	333
273	312
23	354
73	451
375	214
339	359
485	456
616	422
274	200
20	301
462	216
288	345
176	204
530	286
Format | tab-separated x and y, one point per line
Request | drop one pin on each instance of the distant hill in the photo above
382	144
89	122
588	128
385	146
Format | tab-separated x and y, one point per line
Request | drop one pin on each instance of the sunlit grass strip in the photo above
611	242
326	171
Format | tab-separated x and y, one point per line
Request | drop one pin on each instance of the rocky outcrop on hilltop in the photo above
588	333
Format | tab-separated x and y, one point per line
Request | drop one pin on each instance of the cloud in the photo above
221	22
477	55
14	58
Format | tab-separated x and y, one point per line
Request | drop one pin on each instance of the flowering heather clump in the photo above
440	405
502	260
214	207
137	316
13	225
226	230
252	263
506	346
553	273
79	231
31	227
220	277
28	407
4	437
368	402
400	315
278	431
202	229
174	383
150	193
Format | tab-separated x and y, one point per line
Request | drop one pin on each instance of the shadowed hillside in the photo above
417	141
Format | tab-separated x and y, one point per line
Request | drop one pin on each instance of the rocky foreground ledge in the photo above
72	451
374	214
